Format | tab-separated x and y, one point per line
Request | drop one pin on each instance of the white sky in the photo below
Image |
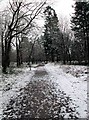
3	4
63	8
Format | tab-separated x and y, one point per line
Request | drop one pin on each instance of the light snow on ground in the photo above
70	79
64	78
10	85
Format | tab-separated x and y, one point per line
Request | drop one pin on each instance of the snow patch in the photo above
11	84
74	87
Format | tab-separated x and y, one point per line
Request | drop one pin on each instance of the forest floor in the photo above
48	91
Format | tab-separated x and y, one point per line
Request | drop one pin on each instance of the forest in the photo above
44	59
23	40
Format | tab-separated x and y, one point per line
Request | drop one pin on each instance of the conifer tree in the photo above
80	26
51	34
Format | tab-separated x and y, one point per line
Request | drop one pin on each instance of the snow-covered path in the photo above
40	99
46	91
75	88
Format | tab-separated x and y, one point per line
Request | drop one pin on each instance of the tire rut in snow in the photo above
39	100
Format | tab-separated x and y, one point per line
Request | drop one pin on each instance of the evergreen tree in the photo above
51	34
80	26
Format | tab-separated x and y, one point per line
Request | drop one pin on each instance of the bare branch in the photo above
32	18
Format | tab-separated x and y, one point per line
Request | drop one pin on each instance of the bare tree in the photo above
66	36
21	15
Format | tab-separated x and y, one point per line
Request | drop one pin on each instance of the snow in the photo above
70	79
74	87
11	84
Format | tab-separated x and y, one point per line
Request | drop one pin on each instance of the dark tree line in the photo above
56	41
59	45
80	26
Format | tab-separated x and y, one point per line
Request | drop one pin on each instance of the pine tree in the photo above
80	26
51	34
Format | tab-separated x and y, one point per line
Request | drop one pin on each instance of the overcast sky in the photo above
63	8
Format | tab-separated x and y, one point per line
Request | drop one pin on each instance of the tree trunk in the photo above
20	53
6	55
17	51
64	62
31	54
64	55
20	57
2	49
52	55
87	54
6	60
70	58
